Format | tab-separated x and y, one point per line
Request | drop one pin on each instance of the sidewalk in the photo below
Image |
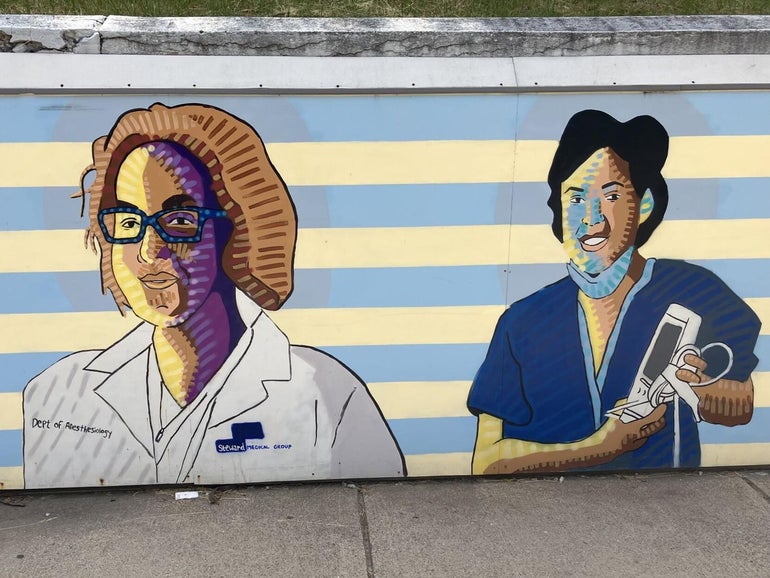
672	524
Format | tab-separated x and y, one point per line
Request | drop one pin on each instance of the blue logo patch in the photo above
241	432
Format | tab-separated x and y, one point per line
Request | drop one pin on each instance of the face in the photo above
165	283
600	211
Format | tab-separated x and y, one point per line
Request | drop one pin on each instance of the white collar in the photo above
262	354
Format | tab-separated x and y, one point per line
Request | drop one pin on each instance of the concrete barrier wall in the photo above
444	37
342	311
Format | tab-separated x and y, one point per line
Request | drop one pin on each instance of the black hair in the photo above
642	142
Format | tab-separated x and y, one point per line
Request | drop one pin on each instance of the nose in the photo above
152	247
594	215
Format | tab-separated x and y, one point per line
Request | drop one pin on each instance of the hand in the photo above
626	437
693	377
725	401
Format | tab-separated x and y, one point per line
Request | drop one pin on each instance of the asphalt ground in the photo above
667	524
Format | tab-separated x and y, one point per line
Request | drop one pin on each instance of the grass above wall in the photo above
388	8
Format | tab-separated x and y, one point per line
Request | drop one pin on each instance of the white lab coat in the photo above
93	418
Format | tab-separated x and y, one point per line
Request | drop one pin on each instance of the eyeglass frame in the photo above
204	215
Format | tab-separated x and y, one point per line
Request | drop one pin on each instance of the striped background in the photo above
420	217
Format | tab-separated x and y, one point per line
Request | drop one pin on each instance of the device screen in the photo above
665	347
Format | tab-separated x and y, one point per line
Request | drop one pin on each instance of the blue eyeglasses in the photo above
122	225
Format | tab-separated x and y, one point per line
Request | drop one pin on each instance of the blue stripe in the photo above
372	363
458	434
43	292
544	116
756	431
16	369
412	362
53	293
315	288
277	118
398	117
11	448
762	351
360	206
434	435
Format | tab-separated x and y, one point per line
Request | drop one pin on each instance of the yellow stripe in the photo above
10	411
397	399
710	239
450	464
12	478
692	157
29	332
761	381
408	399
62	250
735	454
421	399
349	163
459	463
712	455
46	164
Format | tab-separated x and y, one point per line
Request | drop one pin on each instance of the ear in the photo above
646	206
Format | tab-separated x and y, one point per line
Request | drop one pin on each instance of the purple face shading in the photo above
165	283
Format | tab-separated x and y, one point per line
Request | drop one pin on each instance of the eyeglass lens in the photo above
177	223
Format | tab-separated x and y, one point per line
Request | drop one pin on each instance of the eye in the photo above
612	197
180	220
576	200
129	223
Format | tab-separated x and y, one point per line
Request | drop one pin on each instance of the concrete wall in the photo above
422	214
467	37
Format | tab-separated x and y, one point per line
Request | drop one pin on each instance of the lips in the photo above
158	280
593	242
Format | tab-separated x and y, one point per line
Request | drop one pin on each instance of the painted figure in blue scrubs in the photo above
561	359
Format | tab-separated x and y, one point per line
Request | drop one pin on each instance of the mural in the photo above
196	233
617	362
319	301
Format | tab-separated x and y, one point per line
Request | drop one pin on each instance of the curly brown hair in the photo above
259	256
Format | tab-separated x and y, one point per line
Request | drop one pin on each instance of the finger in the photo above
656	414
636	444
695	361
688	376
652	428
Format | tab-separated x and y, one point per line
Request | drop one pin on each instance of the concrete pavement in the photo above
672	524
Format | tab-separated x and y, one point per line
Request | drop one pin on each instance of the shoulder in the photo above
552	300
62	375
327	373
668	270
698	289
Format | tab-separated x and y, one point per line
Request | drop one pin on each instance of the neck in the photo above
608	281
191	353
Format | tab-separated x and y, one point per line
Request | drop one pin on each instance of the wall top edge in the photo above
444	37
367	25
31	73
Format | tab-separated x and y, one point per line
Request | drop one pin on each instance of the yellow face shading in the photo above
600	211
164	283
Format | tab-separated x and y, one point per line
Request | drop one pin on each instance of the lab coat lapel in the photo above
265	358
124	388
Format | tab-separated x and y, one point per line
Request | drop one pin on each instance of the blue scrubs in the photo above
538	375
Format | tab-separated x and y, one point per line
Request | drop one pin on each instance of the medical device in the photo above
656	381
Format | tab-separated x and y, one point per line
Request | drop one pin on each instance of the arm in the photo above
494	454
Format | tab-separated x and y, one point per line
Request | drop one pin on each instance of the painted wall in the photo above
420	219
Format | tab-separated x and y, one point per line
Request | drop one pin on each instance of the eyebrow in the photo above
576	189
612	184
120	203
177	201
